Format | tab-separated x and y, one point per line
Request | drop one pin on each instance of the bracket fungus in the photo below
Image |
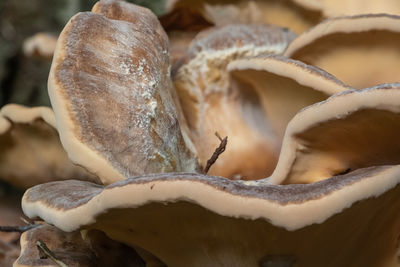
362	51
31	152
73	250
283	86
121	116
220	222
339	136
210	104
110	90
228	83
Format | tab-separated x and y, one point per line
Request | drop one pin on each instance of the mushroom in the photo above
40	45
112	96
216	221
72	250
219	222
211	105
284	86
361	51
31	152
285	13
350	131
335	8
242	108
254	223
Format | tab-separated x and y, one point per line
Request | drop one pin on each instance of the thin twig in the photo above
218	151
19	229
42	247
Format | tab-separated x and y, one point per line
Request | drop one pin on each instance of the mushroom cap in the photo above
360	50
210	104
349	131
143	19
116	112
74	251
232	40
31	152
217	220
284	87
285	13
21	114
40	45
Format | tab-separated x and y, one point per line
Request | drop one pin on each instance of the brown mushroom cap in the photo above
111	93
361	51
284	87
31	152
349	131
73	250
210	104
222	222
285	13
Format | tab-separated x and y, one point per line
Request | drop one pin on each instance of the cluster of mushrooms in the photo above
305	92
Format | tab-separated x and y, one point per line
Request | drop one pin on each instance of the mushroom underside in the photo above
359	59
367	137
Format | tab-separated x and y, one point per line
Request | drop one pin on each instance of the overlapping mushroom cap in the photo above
211	104
361	50
251	100
330	148
283	86
246	223
142	129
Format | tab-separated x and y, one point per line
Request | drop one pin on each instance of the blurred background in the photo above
23	75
